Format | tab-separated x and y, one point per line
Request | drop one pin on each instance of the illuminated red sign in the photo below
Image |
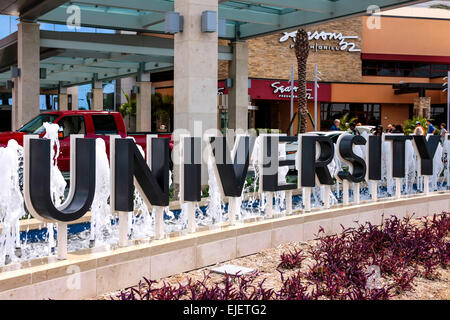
280	90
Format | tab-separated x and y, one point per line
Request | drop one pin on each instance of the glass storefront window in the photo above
438	114
223	121
366	113
403	69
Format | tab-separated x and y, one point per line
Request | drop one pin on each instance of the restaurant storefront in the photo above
270	102
359	67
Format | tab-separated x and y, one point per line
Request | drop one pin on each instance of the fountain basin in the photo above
91	272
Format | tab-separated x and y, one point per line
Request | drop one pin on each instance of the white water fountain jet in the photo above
140	222
11	203
101	217
410	167
280	196
254	161
57	182
438	167
387	168
446	149
173	224
215	206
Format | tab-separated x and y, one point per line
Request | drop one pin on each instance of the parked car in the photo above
93	124
367	129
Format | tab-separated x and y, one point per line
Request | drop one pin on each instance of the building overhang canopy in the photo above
73	58
244	18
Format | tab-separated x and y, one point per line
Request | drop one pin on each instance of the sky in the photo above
8	25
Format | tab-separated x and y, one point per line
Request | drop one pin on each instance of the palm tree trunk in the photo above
301	53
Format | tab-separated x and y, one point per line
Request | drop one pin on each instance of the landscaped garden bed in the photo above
400	259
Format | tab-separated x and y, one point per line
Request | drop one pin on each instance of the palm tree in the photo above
301	53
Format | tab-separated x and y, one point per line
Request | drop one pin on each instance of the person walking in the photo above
443	133
335	126
431	128
378	130
389	128
419	130
353	130
398	129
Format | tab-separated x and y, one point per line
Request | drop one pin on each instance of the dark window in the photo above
72	125
422	70
36	125
403	69
366	113
438	114
104	124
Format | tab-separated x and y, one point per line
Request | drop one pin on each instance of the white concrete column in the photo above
73	91
289	202
28	61
345	190
14	114
238	93
63	102
374	190
62	99
144	106
195	73
97	96
306	199
123	228
269	204
398	188
62	240
158	213
326	196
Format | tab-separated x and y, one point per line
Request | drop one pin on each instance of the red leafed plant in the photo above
292	259
363	263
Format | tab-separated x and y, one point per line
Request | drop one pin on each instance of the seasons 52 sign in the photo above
340	42
280	90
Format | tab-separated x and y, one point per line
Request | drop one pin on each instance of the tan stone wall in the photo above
271	59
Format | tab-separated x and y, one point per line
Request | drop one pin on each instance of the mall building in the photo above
380	70
381	75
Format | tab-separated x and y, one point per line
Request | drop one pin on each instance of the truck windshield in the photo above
36	125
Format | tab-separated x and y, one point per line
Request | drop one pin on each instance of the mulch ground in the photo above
266	263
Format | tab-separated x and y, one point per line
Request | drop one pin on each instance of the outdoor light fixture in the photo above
173	22
9	84
15	72
105	96
135	89
153	90
89	95
222	28
228	82
209	21
42	73
249	83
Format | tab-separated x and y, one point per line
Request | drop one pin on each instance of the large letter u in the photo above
37	166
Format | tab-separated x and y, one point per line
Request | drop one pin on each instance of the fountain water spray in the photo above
11	202
57	182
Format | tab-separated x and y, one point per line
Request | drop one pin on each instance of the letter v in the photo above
231	170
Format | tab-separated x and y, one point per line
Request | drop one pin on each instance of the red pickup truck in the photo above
93	124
